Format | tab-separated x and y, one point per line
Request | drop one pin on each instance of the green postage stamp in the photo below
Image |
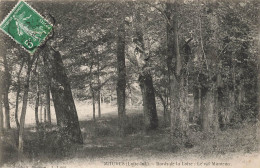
26	26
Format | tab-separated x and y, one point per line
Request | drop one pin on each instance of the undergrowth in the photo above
101	139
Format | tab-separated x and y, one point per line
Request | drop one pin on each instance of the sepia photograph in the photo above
129	83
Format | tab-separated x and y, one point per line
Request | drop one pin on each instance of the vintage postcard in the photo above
126	83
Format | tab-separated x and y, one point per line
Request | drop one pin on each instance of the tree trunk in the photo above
1	106
121	71
216	109
99	88
99	106
149	105
194	117
130	98
145	78
103	98
47	92
234	97
48	104
44	115
184	115
174	64
1	115
206	98
7	83
7	110
110	98
66	113
176	129
41	110
18	95
165	116
37	102
93	103
168	104
1	123
258	96
24	107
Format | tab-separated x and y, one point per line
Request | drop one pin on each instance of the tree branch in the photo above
161	11
52	35
201	42
187	42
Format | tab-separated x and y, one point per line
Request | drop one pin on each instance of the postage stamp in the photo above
26	26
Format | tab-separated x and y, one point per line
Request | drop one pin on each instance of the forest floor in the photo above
103	147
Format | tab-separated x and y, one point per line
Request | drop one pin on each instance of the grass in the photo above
101	140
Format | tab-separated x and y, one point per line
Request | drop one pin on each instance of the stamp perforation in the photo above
37	13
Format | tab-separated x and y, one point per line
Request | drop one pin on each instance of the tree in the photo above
66	113
18	94
1	108
99	96
121	71
30	62
48	102
145	77
258	82
6	85
37	96
175	64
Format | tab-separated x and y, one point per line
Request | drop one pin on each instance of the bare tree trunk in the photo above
1	115
184	115
121	71
103	98
178	137
165	116
37	102
215	118
44	115
168	104
206	98
99	106
93	102
99	88
130	98
41	110
176	129
18	95
47	92
195	117
7	110
7	83
65	109
1	123
24	107
149	105
234	97
48	104
258	97
110	98
1	107
145	78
